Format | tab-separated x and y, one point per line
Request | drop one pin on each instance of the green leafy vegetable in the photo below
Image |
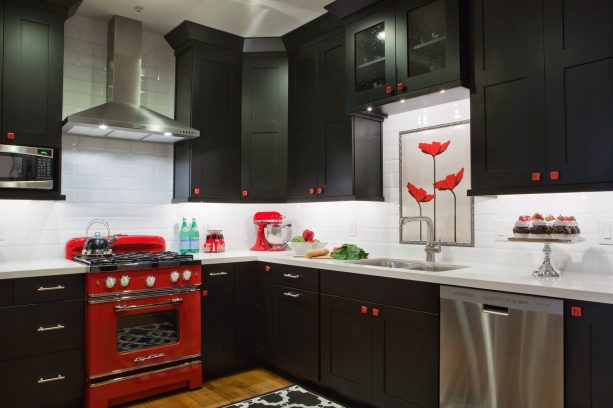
298	238
349	252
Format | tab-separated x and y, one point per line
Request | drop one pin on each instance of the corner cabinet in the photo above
404	50
542	106
264	127
332	155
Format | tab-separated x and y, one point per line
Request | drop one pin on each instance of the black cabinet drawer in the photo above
39	329
53	380
217	274
295	277
6	292
47	289
393	292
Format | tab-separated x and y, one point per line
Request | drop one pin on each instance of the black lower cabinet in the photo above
296	332
245	298
588	371
346	347
405	358
218	329
264	330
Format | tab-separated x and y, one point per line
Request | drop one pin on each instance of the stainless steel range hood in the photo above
122	116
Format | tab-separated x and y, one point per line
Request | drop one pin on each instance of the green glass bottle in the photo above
184	238
194	238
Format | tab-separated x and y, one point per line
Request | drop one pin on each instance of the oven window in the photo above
11	167
140	331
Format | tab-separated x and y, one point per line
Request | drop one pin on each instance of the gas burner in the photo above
134	260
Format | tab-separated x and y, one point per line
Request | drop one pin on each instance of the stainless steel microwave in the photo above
24	167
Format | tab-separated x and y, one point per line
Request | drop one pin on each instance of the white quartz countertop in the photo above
579	286
39	267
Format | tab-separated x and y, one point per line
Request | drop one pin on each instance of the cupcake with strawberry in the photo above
573	226
522	228
540	229
559	228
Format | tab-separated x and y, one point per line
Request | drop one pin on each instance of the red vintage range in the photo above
142	321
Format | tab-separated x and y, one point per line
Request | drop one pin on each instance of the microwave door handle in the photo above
123	308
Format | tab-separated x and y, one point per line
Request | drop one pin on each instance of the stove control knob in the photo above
187	275
174	276
150	281
124	281
110	282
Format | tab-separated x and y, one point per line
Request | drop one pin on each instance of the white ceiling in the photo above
247	18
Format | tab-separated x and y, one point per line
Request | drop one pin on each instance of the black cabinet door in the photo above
305	149
588	359
579	75
335	175
508	133
264	128
32	76
346	347
218	328
370	58
406	358
427	44
264	330
296	332
245	299
208	98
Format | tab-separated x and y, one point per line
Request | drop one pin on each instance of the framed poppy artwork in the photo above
434	180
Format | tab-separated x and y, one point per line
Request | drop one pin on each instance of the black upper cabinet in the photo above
32	76
371	58
403	50
331	155
264	127
208	95
542	106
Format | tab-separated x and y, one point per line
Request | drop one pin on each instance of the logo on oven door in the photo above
149	357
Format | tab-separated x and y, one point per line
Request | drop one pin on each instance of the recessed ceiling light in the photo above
402	101
103	127
369	109
167	134
442	91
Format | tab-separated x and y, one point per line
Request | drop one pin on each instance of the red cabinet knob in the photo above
267	268
245	193
320	190
554	175
536	176
389	89
196	190
205	293
375	312
576	311
311	190
364	309
10	136
400	86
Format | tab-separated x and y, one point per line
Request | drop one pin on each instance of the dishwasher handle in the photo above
495	310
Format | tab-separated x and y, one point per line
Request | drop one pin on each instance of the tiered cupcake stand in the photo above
547	271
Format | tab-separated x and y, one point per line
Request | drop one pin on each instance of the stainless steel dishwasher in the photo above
500	350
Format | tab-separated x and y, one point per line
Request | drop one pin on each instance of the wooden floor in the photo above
220	391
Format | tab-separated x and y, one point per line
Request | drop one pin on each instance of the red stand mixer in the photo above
272	234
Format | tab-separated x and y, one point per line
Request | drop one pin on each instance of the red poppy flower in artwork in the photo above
419	194
434	148
451	181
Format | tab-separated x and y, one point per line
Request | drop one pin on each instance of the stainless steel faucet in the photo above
432	247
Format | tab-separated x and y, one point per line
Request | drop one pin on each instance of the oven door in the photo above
26	167
128	334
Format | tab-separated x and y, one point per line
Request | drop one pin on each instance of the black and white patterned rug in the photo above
293	396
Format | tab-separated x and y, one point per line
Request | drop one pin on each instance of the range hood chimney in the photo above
122	116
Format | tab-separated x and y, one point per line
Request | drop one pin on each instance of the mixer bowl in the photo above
277	234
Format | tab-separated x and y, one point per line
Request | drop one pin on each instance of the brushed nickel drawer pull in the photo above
292	295
48	288
122	308
218	273
292	276
59	377
46	329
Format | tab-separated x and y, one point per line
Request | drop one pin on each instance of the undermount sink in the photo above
409	265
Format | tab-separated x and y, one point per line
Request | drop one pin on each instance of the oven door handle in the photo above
122	308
